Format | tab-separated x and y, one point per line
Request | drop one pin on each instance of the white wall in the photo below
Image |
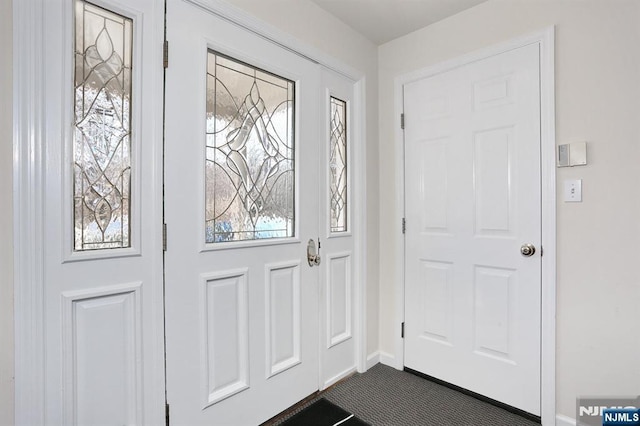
597	100
308	23
6	218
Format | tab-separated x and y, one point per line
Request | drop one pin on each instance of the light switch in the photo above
573	191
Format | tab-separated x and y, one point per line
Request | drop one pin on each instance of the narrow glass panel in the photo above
102	136
338	165
250	177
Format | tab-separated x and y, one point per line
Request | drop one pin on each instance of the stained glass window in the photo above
250	173
338	165
102	136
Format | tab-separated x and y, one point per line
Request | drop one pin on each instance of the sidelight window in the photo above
338	165
102	128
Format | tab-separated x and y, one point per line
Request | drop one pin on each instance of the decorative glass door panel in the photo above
102	140
338	165
250	173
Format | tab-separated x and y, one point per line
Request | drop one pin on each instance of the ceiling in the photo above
383	20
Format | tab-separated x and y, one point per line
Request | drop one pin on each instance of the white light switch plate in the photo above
573	191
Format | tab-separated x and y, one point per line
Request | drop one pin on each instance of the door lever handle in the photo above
313	255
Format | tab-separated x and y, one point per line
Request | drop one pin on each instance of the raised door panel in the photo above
225	334
282	316
102	356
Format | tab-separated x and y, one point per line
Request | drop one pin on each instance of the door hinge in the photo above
404	225
541	251
402	121
402	330
165	54
166	414
164	237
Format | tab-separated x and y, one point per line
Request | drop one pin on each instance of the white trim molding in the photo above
545	39
565	421
389	360
28	175
373	359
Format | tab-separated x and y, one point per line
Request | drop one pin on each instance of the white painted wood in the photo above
564	421
44	82
472	158
388	359
373	359
108	359
359	226
339	307
339	348
31	39
29	142
545	39
548	158
341	375
283	350
283	326
225	328
240	18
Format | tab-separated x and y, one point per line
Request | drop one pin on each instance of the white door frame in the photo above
545	39
29	148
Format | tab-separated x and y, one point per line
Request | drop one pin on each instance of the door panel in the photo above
103	261
241	316
472	156
337	340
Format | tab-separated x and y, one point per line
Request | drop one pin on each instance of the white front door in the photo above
102	275
241	204
472	199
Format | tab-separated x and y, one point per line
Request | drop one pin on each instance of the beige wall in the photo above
597	100
6	219
308	23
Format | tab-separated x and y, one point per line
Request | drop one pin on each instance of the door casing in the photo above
30	40
545	39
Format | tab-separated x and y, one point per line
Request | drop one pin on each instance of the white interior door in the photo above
241	203
102	241
472	199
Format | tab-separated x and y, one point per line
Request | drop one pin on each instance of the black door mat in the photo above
323	413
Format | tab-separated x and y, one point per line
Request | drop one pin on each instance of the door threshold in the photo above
478	396
291	410
302	403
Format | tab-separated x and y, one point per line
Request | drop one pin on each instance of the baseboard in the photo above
373	359
387	359
564	421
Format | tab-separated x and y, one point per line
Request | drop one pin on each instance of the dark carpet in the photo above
384	396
